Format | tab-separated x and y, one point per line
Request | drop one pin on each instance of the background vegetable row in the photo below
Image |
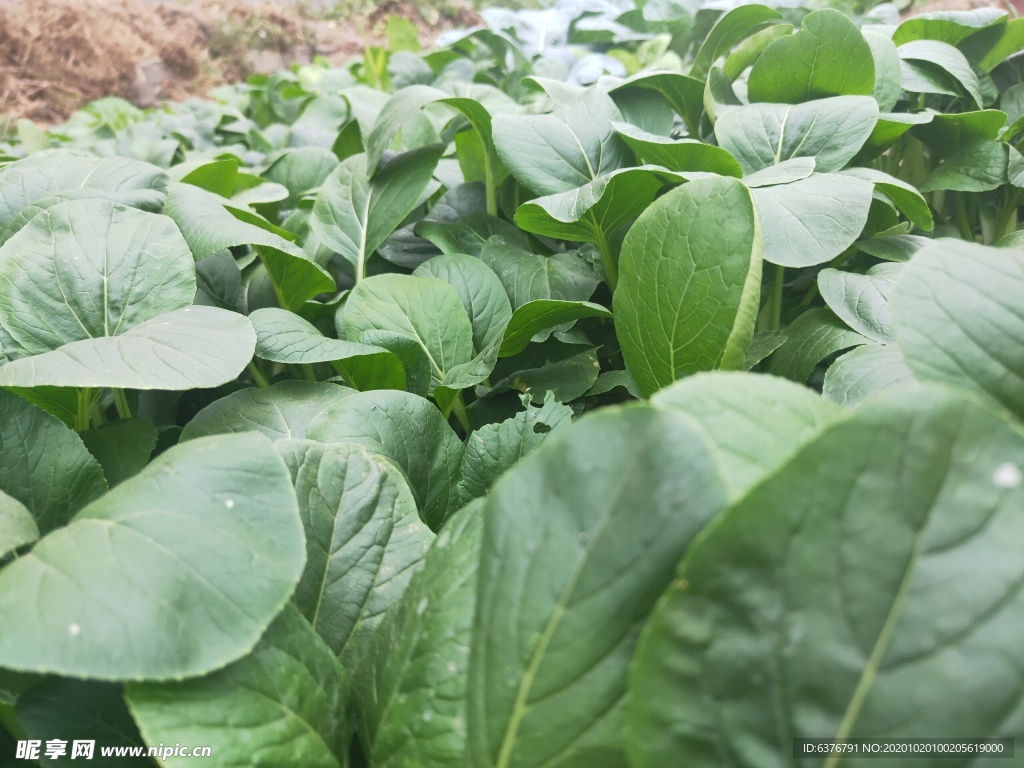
288	463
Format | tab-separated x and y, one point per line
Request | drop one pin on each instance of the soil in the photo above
56	55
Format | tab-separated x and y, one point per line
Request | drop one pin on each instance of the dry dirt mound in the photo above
56	55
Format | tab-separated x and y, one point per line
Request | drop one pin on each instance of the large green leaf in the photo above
947	26
530	276
762	639
828	56
495	448
678	154
865	371
122	447
829	130
175	572
861	301
541	315
48	173
811	337
565	150
354	215
944	58
411	692
730	29
480	290
185	349
44	464
364	541
409	431
813	220
17	526
284	337
584	533
74	710
956	315
281	411
89	269
754	423
426	310
592	212
283	704
691	270
209	227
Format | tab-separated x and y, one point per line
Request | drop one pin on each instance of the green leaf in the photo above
568	373
530	276
829	130
282	411
565	150
991	46
593	212
756	600
301	170
283	704
17	526
893	247
813	220
863	372
861	301
480	290
685	94
762	345
903	195
828	56
72	710
887	69
934	55
426	310
977	167
190	348
945	134
947	26
678	154
44	464
754	423
691	269
411	692
731	28
409	431
812	337
364	541
495	448
121	447
540	315
283	337
90	269
955	311
586	532
47	173
175	572
354	215
209	227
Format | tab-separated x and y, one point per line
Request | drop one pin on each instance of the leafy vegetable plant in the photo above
617	384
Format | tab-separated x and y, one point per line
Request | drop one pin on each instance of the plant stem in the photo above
84	408
775	299
492	192
257	375
611	269
459	409
1008	218
124	411
962	222
309	372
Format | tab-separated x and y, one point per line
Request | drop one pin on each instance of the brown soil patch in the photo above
56	55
